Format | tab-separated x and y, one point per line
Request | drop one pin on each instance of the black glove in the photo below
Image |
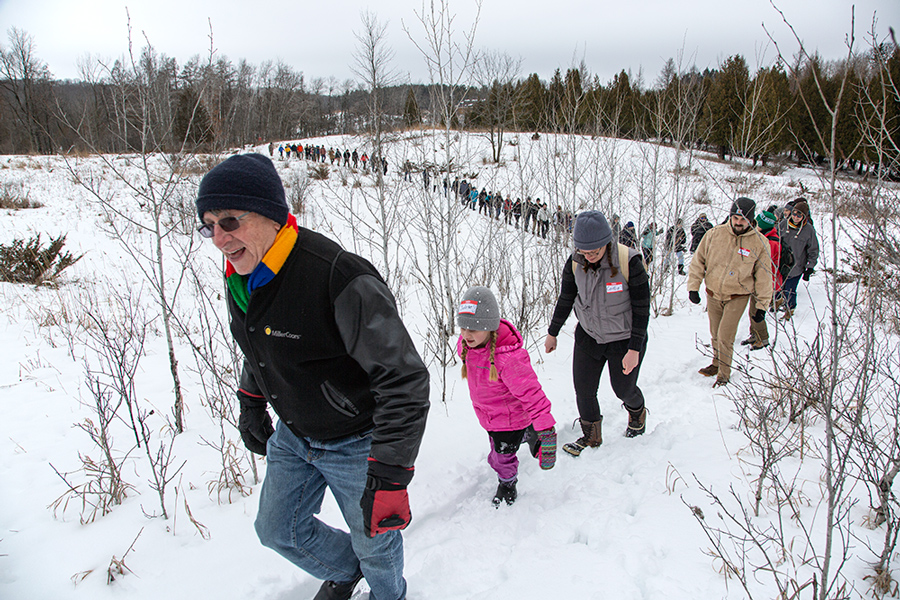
807	273
385	503
759	316
694	296
255	426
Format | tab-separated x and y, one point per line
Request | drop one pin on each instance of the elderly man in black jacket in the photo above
324	345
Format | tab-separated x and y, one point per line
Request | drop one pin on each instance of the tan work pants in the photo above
724	318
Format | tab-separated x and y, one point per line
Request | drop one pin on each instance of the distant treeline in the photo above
207	105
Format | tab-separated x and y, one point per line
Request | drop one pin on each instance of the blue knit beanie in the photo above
591	230
244	182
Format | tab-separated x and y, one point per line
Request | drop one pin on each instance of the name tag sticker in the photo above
468	307
612	288
744	252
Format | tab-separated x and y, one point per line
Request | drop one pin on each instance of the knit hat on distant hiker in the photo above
478	310
802	206
765	221
244	182
745	207
591	230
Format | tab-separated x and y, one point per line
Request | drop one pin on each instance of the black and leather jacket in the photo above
324	345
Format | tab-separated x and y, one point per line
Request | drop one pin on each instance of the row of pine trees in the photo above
774	111
209	105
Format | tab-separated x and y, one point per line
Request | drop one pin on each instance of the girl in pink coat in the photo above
504	388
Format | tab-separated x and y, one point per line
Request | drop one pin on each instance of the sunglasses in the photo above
229	224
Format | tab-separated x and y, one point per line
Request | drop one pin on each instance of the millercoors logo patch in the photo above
281	334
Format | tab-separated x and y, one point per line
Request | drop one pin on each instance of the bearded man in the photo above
734	261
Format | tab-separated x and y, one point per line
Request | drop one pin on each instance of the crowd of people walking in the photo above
320	154
352	393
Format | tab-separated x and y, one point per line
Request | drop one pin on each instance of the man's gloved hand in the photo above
255	426
694	296
759	316
385	503
807	274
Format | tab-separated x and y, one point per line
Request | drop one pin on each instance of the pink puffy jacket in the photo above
516	400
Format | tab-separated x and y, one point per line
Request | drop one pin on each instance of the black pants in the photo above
588	361
508	442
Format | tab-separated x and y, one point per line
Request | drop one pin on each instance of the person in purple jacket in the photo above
508	399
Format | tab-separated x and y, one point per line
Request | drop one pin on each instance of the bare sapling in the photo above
152	219
449	60
217	364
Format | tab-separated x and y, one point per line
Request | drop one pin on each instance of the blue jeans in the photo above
789	291
298	471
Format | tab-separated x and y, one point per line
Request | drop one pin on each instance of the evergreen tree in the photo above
764	127
621	106
809	115
411	114
725	105
530	108
556	94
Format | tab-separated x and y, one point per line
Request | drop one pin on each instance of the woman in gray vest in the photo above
607	285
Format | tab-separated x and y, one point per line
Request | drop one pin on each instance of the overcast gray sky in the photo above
317	37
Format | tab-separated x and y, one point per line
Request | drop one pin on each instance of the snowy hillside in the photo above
614	523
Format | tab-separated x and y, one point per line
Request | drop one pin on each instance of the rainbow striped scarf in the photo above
241	286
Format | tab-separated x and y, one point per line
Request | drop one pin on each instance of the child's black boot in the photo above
506	492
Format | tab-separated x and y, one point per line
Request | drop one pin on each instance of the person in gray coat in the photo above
797	232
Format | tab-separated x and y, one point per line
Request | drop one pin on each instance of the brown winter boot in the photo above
637	422
592	437
709	371
788	313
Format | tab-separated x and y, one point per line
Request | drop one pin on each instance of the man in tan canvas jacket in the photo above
735	261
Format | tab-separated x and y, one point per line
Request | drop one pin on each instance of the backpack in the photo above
785	261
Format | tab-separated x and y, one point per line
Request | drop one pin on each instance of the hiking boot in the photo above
332	590
720	383
788	313
637	422
681	270
759	345
749	340
506	492
709	371
592	437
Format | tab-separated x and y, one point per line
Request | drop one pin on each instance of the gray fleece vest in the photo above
603	303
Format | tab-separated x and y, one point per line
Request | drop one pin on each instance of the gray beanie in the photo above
591	230
478	310
244	182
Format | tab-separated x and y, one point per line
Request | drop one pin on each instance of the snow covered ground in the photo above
613	523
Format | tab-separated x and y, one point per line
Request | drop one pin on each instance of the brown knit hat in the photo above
802	206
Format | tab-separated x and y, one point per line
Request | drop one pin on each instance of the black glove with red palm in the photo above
385	503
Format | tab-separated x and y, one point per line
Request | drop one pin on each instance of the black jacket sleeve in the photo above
639	290
248	392
568	290
376	338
